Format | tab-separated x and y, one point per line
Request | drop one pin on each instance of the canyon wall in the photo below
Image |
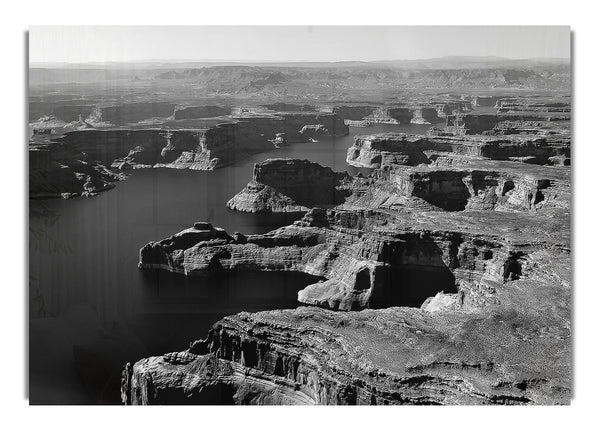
206	148
290	185
392	149
459	347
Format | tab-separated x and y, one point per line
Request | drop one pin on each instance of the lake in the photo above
92	310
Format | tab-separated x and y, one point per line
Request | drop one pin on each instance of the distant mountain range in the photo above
334	79
449	62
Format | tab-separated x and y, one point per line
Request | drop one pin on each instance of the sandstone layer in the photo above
109	151
393	149
480	345
443	277
59	171
290	185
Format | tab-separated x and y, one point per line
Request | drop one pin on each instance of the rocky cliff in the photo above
359	253
470	124
204	148
57	170
290	185
450	262
413	111
476	344
392	149
373	357
128	113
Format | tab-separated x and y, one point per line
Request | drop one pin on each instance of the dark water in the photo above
92	310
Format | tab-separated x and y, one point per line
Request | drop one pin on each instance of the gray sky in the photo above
292	43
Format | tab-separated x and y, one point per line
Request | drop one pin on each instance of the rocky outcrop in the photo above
297	126
452	107
526	127
470	124
201	148
290	185
393	149
358	253
532	105
450	260
391	115
484	189
60	171
312	131
486	101
354	112
363	115
128	113
422	115
302	125
479	346
68	109
471	307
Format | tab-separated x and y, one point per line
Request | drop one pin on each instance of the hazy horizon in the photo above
292	44
243	62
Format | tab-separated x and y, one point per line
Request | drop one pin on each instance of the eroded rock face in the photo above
386	150
63	172
484	101
475	185
470	124
124	149
363	256
415	113
441	279
130	112
423	115
480	345
392	356
290	185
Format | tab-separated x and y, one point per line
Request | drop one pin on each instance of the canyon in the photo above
411	228
439	276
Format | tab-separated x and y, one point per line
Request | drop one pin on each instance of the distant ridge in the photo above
447	62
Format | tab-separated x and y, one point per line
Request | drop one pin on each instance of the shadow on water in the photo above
174	311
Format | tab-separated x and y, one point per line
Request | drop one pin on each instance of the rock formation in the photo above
469	124
202	148
440	276
122	114
450	260
290	185
386	150
484	101
60	171
372	357
476	344
456	184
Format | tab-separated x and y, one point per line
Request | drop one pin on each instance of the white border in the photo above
584	22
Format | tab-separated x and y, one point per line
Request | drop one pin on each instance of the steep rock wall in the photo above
290	185
386	150
470	124
132	112
363	259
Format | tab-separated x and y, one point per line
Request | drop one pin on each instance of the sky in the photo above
70	44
